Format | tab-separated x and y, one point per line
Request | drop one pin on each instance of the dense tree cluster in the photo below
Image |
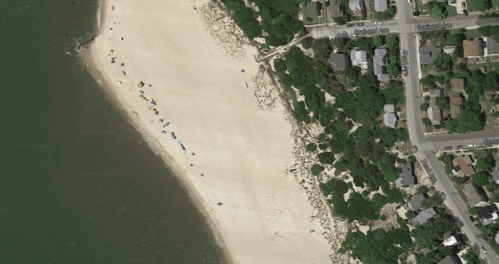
430	234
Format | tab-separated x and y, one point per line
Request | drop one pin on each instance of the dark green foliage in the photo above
352	73
443	102
307	43
378	40
416	12
447	161
430	234
480	5
426	121
487	163
443	62
326	157
323	146
244	17
393	69
280	65
311	147
322	137
435	256
489	31
492	186
461	180
412	158
388	14
432	201
438	13
424	106
383	217
473	210
471	257
481	178
317	169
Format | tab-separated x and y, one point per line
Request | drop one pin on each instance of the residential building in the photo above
313	9
390	120
450	260
434	93
334	8
389	108
359	58
463	166
380	5
488	214
456	104
457	84
475	196
406	175
356	5
427	55
416	202
473	48
338	62
435	115
491	47
449	49
423	217
449	239
379	63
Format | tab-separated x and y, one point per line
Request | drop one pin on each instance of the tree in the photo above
426	121
326	157
481	178
317	169
416	12
437	13
311	147
378	40
307	43
393	69
352	73
443	62
280	65
480	5
486	163
424	107
471	257
473	210
492	186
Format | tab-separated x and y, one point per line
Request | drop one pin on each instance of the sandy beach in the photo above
233	122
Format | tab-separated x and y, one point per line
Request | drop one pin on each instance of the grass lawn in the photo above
472	33
318	19
451	10
488	65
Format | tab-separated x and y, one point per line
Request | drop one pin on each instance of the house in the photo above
435	115
495	108
488	214
334	8
406	175
457	84
473	48
427	55
390	120
456	104
379	63
356	5
449	49
491	47
434	93
380	5
450	260
313	9
423	217
475	196
359	58
462	166
389	108
338	62
449	239
495	173
416	202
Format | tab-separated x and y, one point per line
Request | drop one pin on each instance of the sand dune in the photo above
234	122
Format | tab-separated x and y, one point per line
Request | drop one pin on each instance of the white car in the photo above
409	1
471	145
484	251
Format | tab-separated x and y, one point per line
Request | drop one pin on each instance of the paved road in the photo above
407	26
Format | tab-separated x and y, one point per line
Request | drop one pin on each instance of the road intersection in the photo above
406	25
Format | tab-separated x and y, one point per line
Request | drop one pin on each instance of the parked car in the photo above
471	145
360	24
484	251
486	239
350	25
448	147
477	226
472	219
465	12
409	1
459	146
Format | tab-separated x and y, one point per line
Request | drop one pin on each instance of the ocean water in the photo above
77	183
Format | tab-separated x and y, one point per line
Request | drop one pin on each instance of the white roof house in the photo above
435	115
380	5
359	58
390	120
389	108
356	5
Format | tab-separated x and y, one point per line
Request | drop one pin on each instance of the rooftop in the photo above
457	84
428	54
313	9
436	93
359	58
338	62
464	163
380	5
435	115
473	48
449	260
492	46
424	216
390	120
389	108
380	62
416	202
334	8
475	196
488	214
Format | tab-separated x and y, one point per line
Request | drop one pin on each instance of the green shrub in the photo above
317	169
311	147
326	157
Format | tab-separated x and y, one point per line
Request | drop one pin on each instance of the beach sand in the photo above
234	122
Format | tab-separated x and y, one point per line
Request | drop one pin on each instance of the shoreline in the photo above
200	192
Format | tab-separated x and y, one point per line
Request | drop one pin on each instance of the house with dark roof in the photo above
473	48
380	5
406	175
457	84
334	8
456	104
491	47
423	217
427	55
313	9
380	62
416	202
474	195
488	214
338	62
435	115
450	259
